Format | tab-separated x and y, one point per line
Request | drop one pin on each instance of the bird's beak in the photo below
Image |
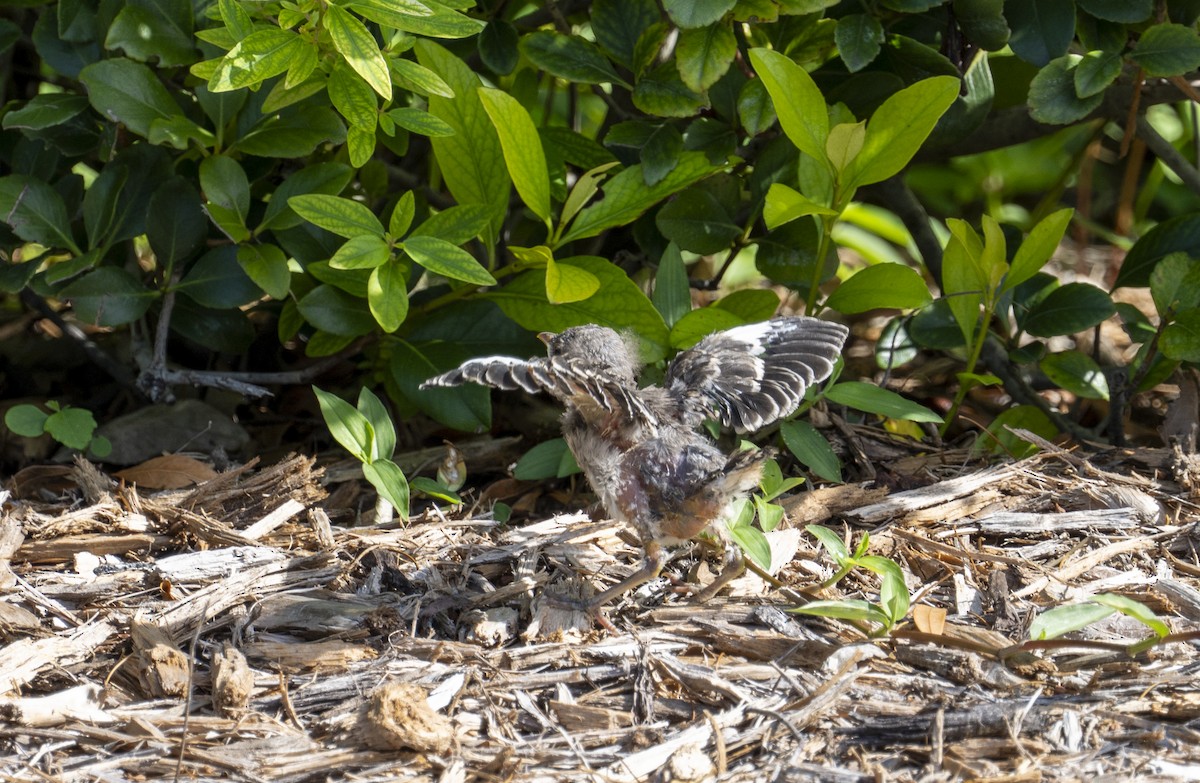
546	337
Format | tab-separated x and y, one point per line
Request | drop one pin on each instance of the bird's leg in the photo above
656	558
734	566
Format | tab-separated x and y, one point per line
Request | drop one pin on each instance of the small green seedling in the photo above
368	434
1065	619
72	427
893	593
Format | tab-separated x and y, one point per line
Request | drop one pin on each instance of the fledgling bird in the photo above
642	449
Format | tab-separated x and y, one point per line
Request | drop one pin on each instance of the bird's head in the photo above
598	349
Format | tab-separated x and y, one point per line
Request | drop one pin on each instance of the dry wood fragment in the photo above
81	703
63	549
11	537
948	494
274	519
232	682
396	716
309	656
162	668
689	764
22	660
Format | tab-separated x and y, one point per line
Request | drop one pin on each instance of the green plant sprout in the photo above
72	427
368	434
1064	619
893	593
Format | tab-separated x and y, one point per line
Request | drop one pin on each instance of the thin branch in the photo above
1166	152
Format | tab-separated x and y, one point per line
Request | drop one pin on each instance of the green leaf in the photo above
384	443
236	18
753	543
844	609
28	421
811	449
341	216
218	281
387	295
1068	309
750	304
899	127
832	542
672	295
962	279
858	37
696	13
472	160
72	427
662	93
569	57
697	324
784	204
697	222
1076	372
1052	95
402	215
660	153
755	110
352	97
798	101
159	30
365	251
431	19
1002	441
335	311
1181	339
626	196
881	286
226	186
566	283
354	42
704	54
1180	233
549	459
498	47
1037	248
845	142
884	402
1065	619
420	122
1167	50
1175	284
617	24
129	93
522	149
179	227
443	258
36	212
457	225
45	111
619	304
293	133
109	297
893	593
1096	71
1041	29
267	266
348	426
1135	609
1124	11
265	53
328	178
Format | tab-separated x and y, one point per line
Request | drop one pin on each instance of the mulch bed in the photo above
249	629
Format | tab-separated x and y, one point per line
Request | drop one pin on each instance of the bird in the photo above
643	449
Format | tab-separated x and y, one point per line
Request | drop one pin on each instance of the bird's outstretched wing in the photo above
561	378
750	376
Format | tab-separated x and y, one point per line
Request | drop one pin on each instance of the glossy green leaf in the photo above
72	427
662	93
1175	284
569	57
45	111
1135	609
160	30
226	186
704	54
109	296
696	13
1052	95
859	38
672	295
784	204
890	286
899	127
457	225
756	113
265	53
28	421
365	251
811	449
1041	29
442	258
218	281
387	295
1096	71
546	460
348	426
1179	234
35	211
626	196
844	609
884	402
419	121
433	19
352	97
402	215
695	325
355	43
1167	50
1076	372
797	99
328	178
1069	309
660	153
1181	339
472	160
1037	248
753	543
292	133
617	24
335	311
419	79
372	408
696	222
566	283
341	216
129	93
1125	11
267	266
1064	619
522	149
